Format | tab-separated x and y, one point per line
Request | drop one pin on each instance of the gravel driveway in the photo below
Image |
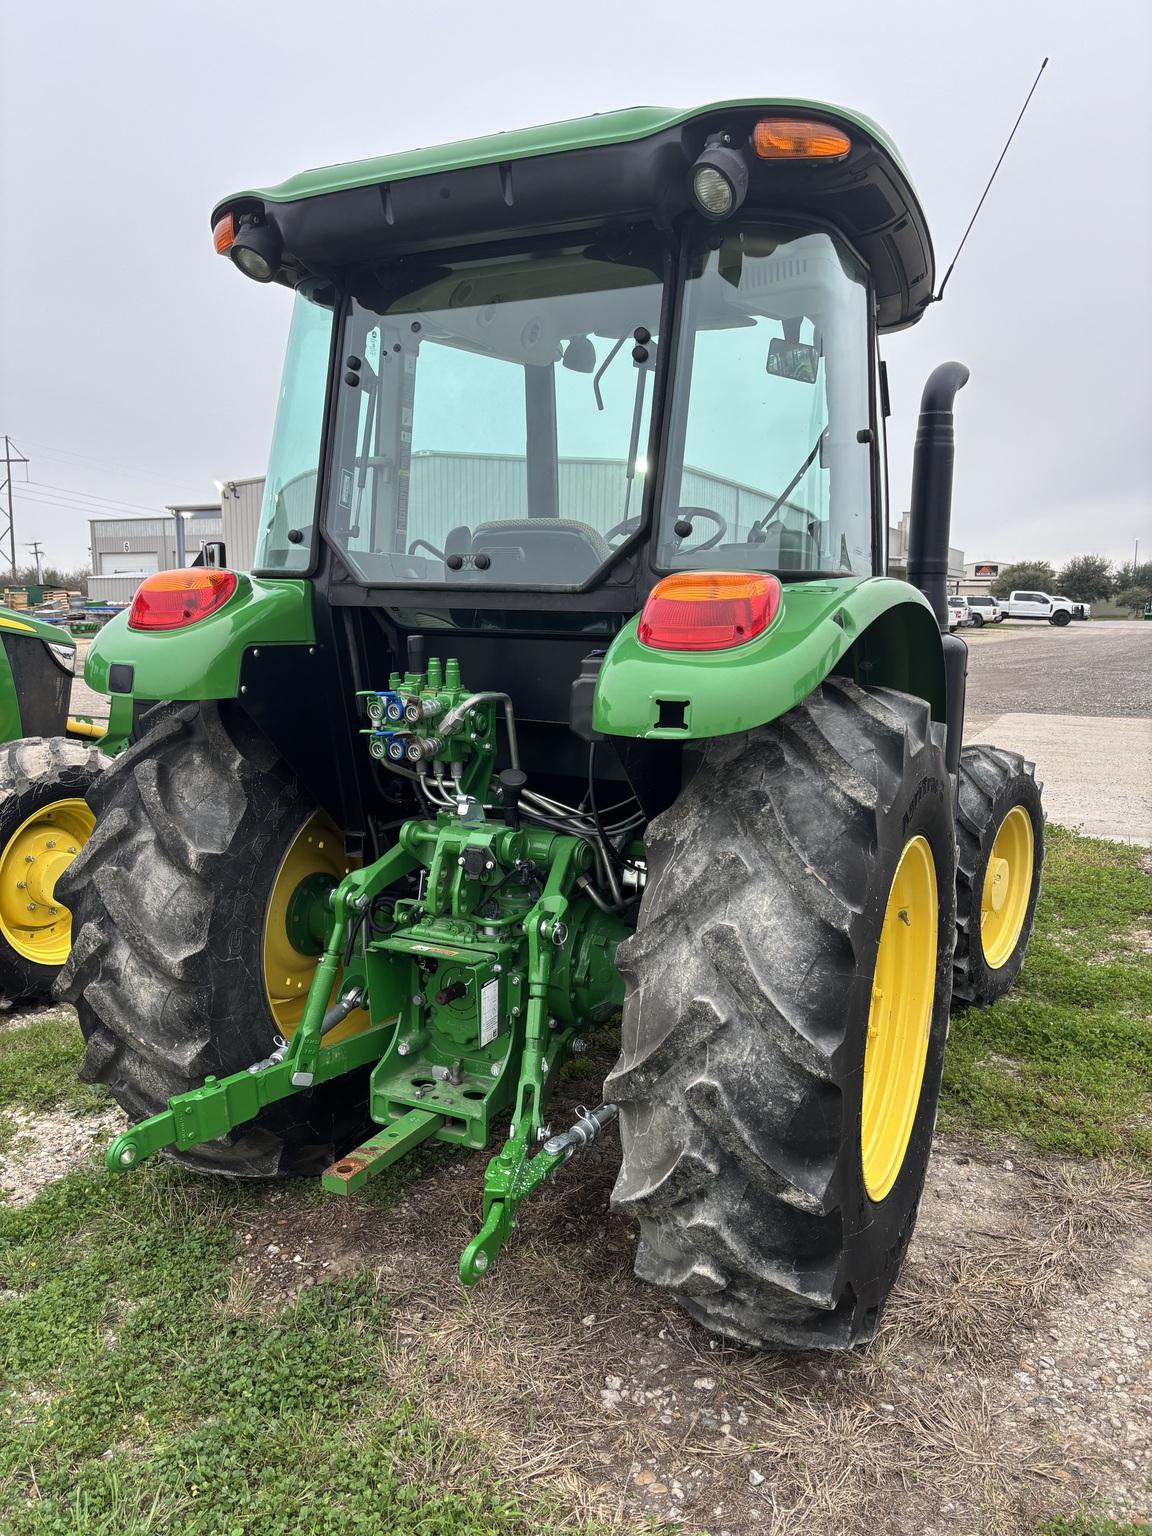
1077	701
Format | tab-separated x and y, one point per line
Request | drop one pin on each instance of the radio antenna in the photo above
991	179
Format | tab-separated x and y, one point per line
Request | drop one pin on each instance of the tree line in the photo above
50	576
1085	579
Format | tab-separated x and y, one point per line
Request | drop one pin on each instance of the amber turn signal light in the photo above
223	234
172	599
794	138
708	610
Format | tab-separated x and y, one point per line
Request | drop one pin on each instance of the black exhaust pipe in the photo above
931	512
931	516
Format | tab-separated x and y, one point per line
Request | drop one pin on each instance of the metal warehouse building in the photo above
126	549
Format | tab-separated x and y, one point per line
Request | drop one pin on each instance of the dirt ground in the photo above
1011	1378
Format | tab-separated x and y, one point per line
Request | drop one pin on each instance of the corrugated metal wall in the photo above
448	490
119	539
240	505
112	589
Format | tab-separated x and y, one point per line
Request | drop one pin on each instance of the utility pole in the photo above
12	455
38	553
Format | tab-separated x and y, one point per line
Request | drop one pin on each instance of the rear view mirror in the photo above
580	355
792	360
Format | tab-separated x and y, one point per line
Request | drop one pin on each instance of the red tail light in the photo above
708	610
171	599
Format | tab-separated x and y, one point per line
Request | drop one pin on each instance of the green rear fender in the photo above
876	630
202	660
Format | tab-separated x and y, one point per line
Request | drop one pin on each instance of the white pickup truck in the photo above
1038	605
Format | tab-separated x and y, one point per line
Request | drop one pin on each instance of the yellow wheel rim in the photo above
1007	887
899	1018
317	849
33	922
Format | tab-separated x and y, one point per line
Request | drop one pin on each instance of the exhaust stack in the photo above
931	511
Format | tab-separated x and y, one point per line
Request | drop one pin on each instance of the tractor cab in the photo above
493	390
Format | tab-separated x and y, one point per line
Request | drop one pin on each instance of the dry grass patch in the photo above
973	1302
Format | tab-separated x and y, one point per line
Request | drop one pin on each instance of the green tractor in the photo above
48	764
568	683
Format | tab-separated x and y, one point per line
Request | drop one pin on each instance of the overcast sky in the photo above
138	367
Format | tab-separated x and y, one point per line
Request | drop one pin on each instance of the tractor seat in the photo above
550	550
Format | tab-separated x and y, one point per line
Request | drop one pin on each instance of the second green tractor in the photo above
568	684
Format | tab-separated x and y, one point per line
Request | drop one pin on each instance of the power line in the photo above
112	501
105	464
38	554
65	506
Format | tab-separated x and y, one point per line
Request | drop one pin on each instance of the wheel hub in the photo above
32	921
296	921
998	881
899	1018
1007	887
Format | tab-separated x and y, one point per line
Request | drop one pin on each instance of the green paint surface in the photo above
202	660
748	685
603	128
28	629
25	624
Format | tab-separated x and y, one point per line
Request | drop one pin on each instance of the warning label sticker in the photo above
489	1011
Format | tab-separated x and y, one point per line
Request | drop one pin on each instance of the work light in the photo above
255	249
719	178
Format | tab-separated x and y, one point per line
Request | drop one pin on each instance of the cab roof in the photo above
602	169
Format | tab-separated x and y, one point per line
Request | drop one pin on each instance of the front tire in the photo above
1060	618
776	1108
175	972
1000	847
44	821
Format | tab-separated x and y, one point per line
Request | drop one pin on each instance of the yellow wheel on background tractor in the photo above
32	921
44	823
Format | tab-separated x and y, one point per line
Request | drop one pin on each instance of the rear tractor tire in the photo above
1000	837
784	1024
44	822
185	958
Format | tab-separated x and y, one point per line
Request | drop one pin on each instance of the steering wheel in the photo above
630	525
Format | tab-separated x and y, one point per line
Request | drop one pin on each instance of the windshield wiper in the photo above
758	532
603	369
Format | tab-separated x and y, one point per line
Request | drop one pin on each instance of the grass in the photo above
141	1394
1092	1525
1064	1063
139	1398
38	1070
